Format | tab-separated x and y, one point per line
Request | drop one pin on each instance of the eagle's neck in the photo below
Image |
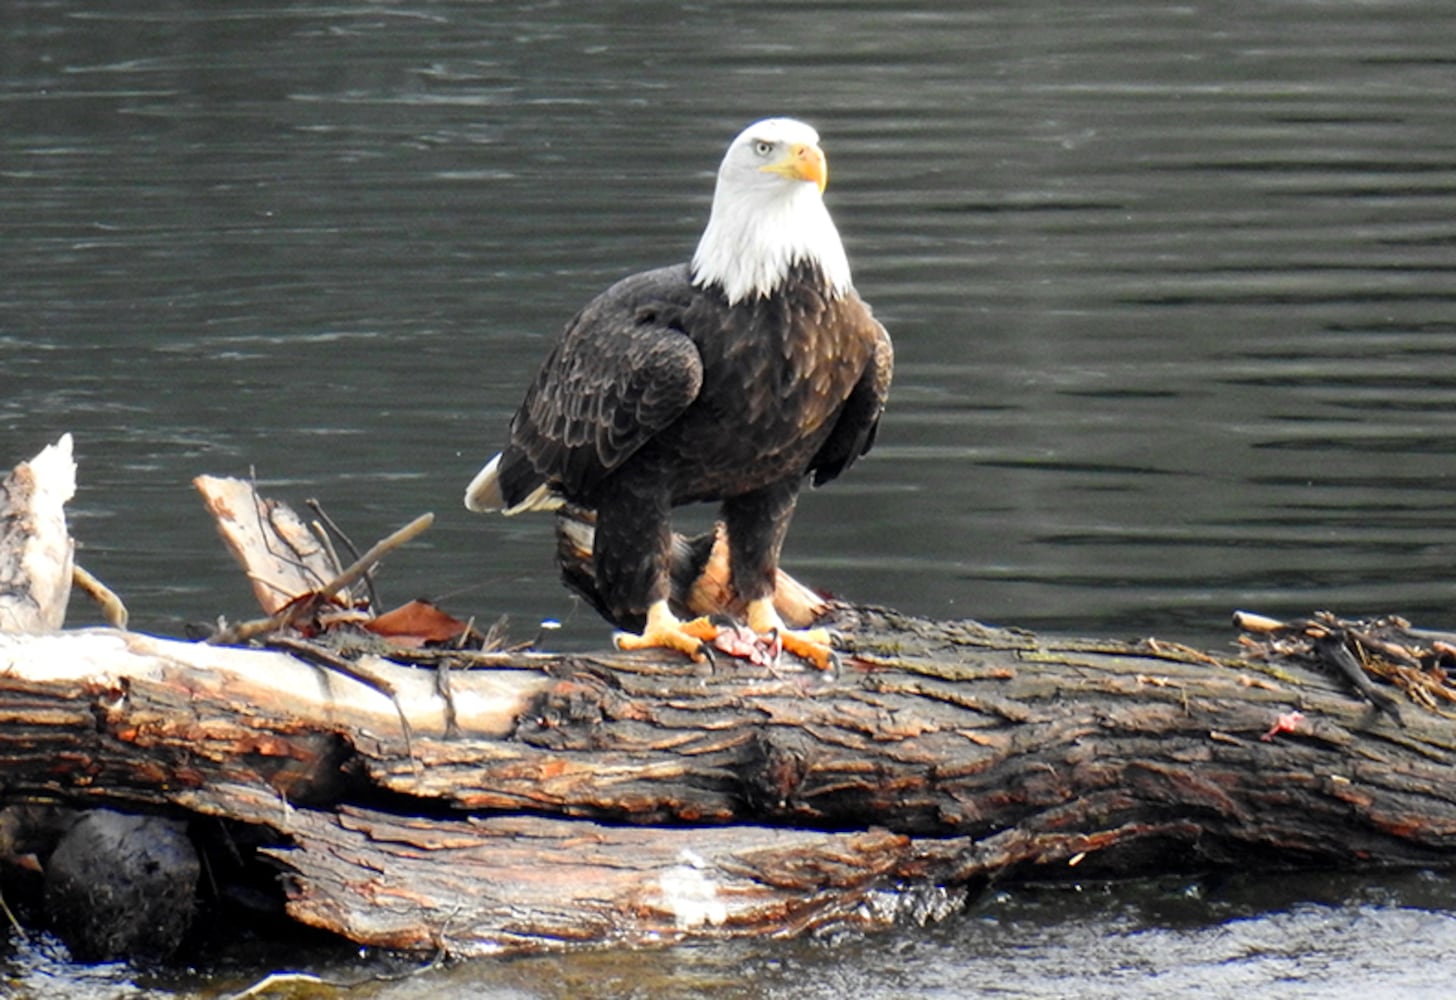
755	238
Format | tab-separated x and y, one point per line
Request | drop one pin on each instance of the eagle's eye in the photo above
763	147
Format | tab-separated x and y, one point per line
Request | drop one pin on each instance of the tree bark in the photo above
556	801
628	799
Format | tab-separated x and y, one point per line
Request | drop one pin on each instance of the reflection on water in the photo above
1171	286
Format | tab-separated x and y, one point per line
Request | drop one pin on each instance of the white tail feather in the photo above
484	495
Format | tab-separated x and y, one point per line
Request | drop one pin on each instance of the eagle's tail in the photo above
484	495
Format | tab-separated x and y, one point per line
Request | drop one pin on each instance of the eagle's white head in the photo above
768	214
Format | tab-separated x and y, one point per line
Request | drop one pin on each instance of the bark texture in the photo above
497	801
628	799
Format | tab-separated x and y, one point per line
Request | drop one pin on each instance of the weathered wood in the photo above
977	752
36	551
157	716
634	799
526	883
951	729
282	556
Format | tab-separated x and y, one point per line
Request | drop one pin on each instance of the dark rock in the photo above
121	886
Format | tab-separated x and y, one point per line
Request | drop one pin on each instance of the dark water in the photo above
1173	289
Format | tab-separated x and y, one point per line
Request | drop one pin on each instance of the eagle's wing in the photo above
859	420
620	374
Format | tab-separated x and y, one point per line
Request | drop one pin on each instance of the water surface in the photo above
1171	287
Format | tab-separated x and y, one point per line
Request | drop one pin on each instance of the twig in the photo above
377	552
1385	647
286	616
1432	635
1332	649
322	536
111	607
1249	621
5	908
447	694
339	533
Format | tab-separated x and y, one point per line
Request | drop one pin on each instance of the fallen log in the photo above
575	808
548	801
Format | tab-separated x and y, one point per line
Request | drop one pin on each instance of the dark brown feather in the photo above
660	393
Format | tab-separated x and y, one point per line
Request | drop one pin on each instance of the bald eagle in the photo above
731	379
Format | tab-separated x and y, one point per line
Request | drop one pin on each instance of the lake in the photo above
1172	287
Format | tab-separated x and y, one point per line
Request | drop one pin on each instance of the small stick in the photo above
267	531
291	613
1332	650
314	505
447	694
334	529
111	607
5	908
1248	621
1389	649
321	533
377	552
1432	635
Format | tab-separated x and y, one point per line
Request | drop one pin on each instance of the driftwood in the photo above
37	556
528	802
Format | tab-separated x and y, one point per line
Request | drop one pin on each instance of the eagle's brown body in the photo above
660	393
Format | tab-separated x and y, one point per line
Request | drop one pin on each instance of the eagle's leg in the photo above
757	523
631	556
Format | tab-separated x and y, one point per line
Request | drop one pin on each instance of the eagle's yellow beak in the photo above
804	162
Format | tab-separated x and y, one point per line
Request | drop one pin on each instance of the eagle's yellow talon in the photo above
701	628
809	644
665	631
